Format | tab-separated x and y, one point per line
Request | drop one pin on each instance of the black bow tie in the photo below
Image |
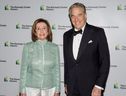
77	32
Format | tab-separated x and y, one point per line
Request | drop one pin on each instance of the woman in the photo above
40	68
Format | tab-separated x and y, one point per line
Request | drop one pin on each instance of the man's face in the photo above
78	17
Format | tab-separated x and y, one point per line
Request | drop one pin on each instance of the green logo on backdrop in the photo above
119	7
18	26
17	62
7	7
6	79
53	27
117	47
116	86
7	44
42	7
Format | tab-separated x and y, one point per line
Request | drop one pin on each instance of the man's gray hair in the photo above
77	4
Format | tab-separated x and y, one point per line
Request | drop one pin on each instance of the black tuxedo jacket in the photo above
93	61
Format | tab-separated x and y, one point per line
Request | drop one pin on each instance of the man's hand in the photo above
96	92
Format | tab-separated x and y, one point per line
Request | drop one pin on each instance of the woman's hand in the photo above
56	94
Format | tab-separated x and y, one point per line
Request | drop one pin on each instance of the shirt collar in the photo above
81	28
42	42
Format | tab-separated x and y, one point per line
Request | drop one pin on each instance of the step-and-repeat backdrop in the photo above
17	17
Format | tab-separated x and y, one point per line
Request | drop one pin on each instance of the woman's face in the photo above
41	31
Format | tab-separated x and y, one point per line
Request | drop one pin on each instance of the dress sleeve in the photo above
57	70
23	70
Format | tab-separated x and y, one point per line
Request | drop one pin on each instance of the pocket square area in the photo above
90	41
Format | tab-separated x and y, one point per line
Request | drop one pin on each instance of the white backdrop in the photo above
17	16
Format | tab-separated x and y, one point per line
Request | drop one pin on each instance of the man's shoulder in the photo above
68	32
94	27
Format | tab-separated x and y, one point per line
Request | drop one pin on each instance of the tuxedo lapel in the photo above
70	45
84	41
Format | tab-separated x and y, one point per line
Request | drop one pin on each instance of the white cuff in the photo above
99	87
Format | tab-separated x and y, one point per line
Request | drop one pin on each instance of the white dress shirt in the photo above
76	42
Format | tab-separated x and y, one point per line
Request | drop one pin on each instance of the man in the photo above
86	56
